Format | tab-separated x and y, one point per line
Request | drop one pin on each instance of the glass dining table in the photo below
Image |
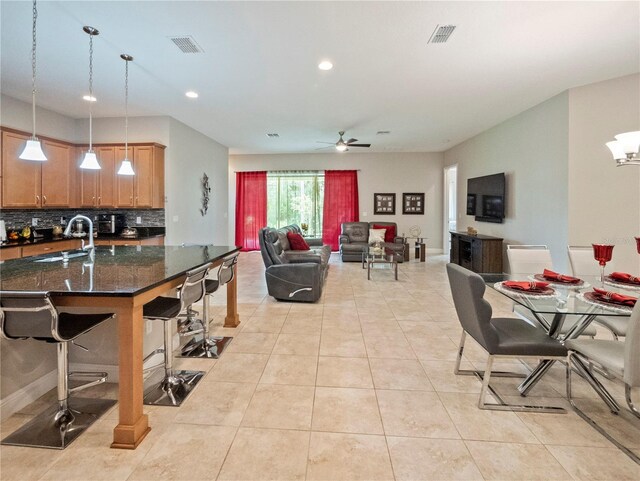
552	309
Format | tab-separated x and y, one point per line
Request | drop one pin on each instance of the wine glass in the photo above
602	253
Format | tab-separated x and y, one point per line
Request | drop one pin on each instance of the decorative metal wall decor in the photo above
384	204
206	190
413	203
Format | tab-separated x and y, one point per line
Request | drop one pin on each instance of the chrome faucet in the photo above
67	231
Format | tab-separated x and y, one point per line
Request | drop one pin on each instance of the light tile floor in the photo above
359	386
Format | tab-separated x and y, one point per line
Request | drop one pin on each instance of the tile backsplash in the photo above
47	218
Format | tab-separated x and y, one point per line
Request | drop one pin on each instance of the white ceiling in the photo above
259	74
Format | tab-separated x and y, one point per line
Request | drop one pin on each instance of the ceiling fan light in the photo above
341	147
126	168
33	151
630	142
90	161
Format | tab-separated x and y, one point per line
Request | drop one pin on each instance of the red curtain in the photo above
340	203
251	208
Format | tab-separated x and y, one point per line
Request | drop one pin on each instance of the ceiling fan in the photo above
341	145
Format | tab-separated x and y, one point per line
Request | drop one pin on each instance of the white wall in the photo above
392	172
16	114
532	149
191	155
604	200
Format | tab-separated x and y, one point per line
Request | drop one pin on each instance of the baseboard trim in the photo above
26	395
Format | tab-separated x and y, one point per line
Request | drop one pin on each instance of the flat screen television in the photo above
486	198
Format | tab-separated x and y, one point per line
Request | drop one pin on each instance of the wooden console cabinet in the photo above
479	253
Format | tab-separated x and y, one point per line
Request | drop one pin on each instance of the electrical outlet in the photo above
364	214
34	221
63	221
138	220
175	218
148	327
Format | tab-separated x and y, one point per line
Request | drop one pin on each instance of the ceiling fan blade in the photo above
351	140
327	147
321	142
359	145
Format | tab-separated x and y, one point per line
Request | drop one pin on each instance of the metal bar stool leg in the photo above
206	347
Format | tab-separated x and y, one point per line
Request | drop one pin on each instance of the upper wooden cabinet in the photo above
60	183
28	184
145	189
97	187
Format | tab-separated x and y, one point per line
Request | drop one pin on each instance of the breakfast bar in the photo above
119	279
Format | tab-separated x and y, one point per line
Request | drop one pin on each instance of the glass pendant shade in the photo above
90	161
126	168
341	147
33	151
616	150
630	142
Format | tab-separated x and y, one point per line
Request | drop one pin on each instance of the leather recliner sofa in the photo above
354	238
291	275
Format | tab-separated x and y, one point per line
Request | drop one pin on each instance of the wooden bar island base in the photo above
121	279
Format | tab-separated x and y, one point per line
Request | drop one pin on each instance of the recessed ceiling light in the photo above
273	135
191	94
89	98
325	65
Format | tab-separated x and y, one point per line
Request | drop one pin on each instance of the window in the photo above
295	197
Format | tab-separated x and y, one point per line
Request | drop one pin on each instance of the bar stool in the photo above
211	347
175	386
32	315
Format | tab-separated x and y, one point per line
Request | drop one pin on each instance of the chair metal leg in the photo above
474	372
61	424
584	416
207	347
503	406
627	396
175	386
582	369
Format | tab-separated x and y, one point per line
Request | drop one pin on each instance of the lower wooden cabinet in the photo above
50	247
151	241
481	253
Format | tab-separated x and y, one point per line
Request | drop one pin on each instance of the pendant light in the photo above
90	160
33	149
126	168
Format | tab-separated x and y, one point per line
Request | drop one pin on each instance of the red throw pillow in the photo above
390	231
297	242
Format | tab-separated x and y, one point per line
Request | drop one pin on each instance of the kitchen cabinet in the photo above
144	190
50	247
10	253
97	187
29	184
151	241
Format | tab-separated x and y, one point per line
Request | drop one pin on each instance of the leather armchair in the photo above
354	238
292	275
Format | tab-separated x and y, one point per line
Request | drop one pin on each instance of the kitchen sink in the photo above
71	255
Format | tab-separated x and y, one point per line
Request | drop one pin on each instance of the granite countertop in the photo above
113	270
143	233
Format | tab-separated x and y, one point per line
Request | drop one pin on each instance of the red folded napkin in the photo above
624	277
530	286
614	297
554	276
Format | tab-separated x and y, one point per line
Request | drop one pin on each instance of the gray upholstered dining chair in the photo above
501	337
583	264
175	386
32	315
620	359
531	259
207	346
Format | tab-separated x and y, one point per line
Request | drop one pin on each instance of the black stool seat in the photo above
162	307
211	285
71	326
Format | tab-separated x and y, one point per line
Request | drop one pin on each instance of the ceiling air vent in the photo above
273	135
186	43
383	132
441	34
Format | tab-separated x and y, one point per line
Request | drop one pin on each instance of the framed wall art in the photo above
413	203
384	204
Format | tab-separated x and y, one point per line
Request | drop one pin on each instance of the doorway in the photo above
450	205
